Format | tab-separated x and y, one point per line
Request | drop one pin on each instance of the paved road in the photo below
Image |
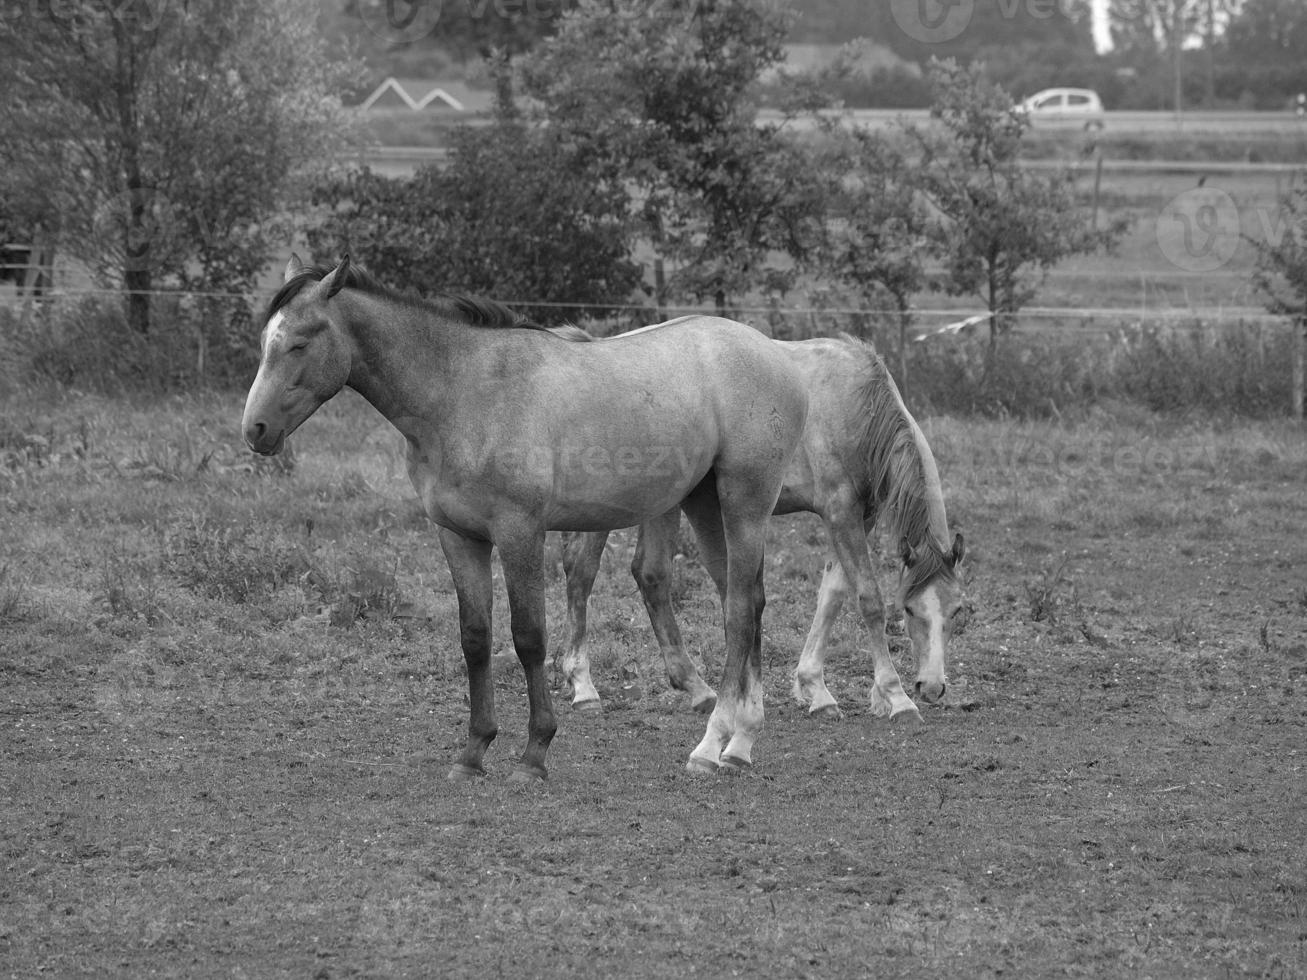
1216	123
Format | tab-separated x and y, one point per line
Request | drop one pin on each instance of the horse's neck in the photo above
399	358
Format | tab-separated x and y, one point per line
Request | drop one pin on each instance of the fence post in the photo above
1299	363
660	289
1098	185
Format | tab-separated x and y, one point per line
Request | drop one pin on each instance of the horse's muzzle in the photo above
260	441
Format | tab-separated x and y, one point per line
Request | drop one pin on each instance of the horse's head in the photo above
930	593
305	357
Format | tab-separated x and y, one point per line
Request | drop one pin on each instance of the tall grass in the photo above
1243	370
86	343
1239	369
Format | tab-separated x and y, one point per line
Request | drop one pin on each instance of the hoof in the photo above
594	706
705	706
465	774
881	706
700	766
733	765
527	774
907	717
827	712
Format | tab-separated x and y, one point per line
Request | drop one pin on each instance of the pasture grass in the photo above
231	692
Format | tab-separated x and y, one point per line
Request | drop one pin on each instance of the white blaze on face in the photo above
931	612
272	333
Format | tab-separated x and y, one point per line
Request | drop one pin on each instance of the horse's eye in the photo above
908	612
299	345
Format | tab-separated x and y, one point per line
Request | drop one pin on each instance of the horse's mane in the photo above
473	310
899	476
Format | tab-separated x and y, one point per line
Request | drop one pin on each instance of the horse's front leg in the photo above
522	553
849	540
469	564
583	551
809	681
655	550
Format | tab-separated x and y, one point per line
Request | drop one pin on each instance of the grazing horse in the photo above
862	454
513	431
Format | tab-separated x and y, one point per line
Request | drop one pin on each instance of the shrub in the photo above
87	343
516	214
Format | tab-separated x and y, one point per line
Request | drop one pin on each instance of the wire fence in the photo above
1237	359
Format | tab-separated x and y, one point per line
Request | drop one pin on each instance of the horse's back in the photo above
707	364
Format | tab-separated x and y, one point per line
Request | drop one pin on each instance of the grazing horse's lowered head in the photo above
903	481
930	593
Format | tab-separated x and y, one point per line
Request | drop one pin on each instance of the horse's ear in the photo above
905	552
293	268
335	279
959	548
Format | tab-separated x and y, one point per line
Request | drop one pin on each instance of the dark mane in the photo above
473	310
896	473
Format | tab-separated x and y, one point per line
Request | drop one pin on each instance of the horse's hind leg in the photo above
849	539
469	564
731	535
652	570
582	554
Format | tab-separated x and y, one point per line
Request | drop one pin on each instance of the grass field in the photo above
230	696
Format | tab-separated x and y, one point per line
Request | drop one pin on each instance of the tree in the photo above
163	135
516	214
878	243
662	94
1260	57
1143	29
1003	225
1280	276
497	31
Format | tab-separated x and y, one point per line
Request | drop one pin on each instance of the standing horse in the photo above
513	431
861	454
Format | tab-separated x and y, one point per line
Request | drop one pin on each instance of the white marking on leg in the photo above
576	670
809	685
747	720
707	755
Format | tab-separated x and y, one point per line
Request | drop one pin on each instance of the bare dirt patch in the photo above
203	776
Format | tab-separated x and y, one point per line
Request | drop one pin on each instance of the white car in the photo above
1065	107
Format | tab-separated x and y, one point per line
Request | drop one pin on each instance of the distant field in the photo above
231	695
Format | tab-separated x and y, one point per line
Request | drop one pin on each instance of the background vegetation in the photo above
616	182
